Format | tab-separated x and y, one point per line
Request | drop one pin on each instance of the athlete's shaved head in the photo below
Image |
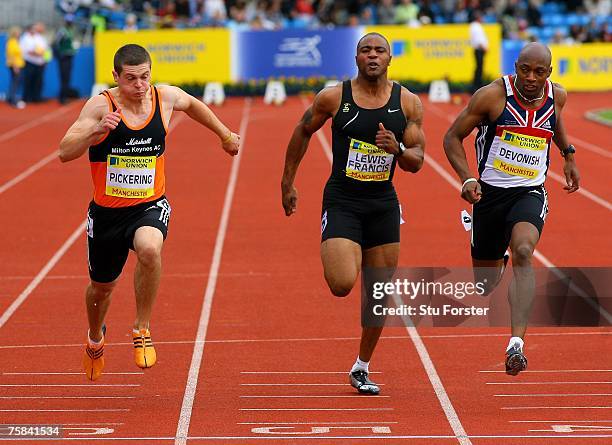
373	34
535	52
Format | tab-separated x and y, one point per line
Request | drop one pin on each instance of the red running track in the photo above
275	345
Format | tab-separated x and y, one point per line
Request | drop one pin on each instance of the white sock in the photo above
360	365
515	340
95	344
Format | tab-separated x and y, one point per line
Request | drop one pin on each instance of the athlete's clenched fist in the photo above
108	123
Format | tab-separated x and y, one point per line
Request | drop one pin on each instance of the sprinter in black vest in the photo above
376	125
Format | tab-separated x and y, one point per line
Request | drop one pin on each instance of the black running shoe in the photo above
515	360
359	379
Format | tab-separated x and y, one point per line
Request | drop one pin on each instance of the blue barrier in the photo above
82	72
510	52
299	53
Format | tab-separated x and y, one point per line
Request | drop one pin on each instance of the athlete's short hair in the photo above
370	34
132	55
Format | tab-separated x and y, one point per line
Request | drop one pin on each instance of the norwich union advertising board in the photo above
586	67
438	52
178	56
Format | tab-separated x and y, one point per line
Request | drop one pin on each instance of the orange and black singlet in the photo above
127	165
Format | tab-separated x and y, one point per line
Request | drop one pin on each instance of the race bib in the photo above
367	162
130	176
520	154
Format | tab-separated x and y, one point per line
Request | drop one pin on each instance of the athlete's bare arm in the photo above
179	100
324	106
94	122
414	138
572	176
486	104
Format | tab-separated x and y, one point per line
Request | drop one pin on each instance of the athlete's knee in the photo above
340	288
522	254
149	255
101	291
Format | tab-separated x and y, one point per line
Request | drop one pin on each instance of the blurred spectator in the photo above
573	5
448	9
598	7
15	64
386	12
534	17
215	11
34	47
480	44
461	12
606	35
577	34
426	13
238	15
63	50
406	12
367	17
131	23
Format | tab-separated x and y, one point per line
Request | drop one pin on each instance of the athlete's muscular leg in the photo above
488	272
385	256
522	288
97	300
148	242
341	259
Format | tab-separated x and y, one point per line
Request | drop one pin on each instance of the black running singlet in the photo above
359	166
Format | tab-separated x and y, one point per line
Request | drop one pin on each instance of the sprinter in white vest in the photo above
517	117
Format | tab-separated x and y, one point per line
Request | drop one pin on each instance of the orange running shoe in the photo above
93	359
144	352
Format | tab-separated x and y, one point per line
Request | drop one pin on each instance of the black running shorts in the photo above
498	211
368	221
110	234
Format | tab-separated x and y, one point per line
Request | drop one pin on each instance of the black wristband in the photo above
570	149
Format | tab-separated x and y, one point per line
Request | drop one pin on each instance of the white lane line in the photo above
592	196
316	409
559	370
592	147
198	351
67	397
28	171
330	438
297	384
274	340
430	369
69	373
68	386
302	372
531	334
311	397
553	395
566	422
315	423
100	410
42	274
556	407
169	275
35	122
436	383
548	383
